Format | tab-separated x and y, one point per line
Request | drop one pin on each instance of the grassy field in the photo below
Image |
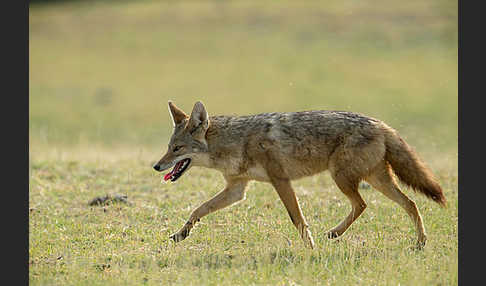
101	74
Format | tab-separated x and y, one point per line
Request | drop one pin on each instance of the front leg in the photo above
232	193
287	195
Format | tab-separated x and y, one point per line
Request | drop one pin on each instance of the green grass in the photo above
252	242
101	74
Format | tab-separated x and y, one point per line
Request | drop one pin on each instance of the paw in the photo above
306	236
332	234
421	241
180	236
309	241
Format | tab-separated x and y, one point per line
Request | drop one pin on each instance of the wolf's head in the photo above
187	146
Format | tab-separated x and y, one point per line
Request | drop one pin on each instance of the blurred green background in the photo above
101	72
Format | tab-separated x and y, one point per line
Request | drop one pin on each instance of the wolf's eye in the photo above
177	148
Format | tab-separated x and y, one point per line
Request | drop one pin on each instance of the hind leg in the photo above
382	180
350	188
349	164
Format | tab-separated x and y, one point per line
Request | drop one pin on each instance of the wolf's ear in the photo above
178	116
199	121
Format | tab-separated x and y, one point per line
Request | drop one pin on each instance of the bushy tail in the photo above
410	169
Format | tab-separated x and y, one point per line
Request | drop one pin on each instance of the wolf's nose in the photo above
157	167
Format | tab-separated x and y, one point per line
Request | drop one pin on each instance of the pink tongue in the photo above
168	175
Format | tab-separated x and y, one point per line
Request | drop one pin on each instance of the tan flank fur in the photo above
280	147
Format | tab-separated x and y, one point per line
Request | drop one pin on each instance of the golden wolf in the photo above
280	147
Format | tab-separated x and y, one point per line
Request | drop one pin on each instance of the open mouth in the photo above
179	168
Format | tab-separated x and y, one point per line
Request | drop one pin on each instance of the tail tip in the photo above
440	199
